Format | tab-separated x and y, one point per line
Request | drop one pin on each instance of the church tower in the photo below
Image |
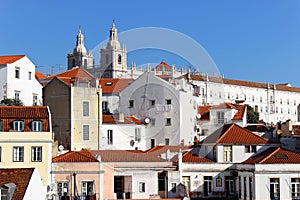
79	57
113	57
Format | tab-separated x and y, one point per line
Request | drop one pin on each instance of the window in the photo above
152	122
294	102
36	126
250	187
220	95
87	188
4	193
142	187
280	101
86	108
168	101
36	154
229	188
227	153
131	103
29	75
288	102
18	154
173	187
137	134
237	96
228	96
104	106
266	109
18	125
109	136
63	188
295	188
34	100
274	188
86	132
17	95
152	143
276	109
250	149
220	117
152	103
207	185
186	183
168	122
260	99
17	72
253	98
167	141
119	59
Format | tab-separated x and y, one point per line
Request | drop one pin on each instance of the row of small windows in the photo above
152	102
18	154
18	125
276	110
17	73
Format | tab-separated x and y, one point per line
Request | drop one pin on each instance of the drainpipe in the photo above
74	174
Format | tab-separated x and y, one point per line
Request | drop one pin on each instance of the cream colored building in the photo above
26	139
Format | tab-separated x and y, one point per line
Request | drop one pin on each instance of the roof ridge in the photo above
223	135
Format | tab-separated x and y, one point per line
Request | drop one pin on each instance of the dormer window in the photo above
18	125
37	126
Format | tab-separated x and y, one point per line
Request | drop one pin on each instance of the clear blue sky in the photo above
248	40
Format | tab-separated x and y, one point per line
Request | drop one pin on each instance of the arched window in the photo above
73	63
119	59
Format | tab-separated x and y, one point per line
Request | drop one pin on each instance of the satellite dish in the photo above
147	120
131	143
198	116
60	147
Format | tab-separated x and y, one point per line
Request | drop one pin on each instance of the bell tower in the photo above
113	57
79	57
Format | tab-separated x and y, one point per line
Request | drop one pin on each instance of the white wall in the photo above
26	87
35	189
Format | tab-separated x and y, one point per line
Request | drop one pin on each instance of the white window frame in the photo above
275	187
142	187
17	72
137	136
37	126
110	137
295	187
227	149
84	188
36	154
18	125
18	154
64	186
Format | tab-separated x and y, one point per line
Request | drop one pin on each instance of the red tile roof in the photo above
75	156
241	110
161	149
72	76
39	75
125	156
26	113
189	157
18	176
113	85
283	87
109	119
163	66
10	59
274	155
224	105
234	134
204	111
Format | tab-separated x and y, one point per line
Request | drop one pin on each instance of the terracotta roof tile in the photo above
161	149
113	85
125	156
234	134
109	119
75	156
274	155
241	109
204	111
18	176
190	157
163	66
39	75
224	105
10	59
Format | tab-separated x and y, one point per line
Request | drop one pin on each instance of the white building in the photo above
213	117
17	80
274	102
121	132
169	112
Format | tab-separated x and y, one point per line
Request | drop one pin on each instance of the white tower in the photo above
79	57
113	57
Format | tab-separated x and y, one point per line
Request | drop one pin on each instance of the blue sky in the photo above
248	40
